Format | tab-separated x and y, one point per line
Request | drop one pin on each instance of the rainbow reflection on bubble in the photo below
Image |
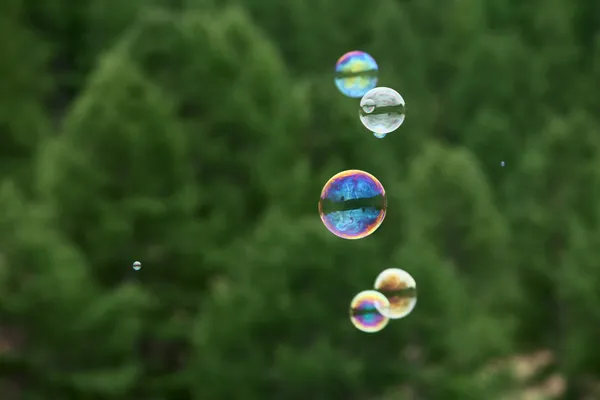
365	312
352	204
356	74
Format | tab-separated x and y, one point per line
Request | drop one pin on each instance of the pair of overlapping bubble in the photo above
394	297
382	109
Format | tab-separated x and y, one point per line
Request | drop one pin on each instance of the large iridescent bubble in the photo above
356	74
366	311
352	204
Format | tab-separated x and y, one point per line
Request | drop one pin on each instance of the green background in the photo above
195	136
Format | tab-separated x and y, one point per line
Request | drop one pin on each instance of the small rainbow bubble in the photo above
365	312
356	73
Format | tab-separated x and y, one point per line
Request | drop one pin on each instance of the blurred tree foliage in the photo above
195	136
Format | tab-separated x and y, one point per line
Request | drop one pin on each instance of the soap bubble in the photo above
352	204
365	311
137	265
356	74
382	111
400	289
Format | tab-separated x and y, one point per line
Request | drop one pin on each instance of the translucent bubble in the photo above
356	74
382	110
502	163
365	311
352	204
137	265
400	289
